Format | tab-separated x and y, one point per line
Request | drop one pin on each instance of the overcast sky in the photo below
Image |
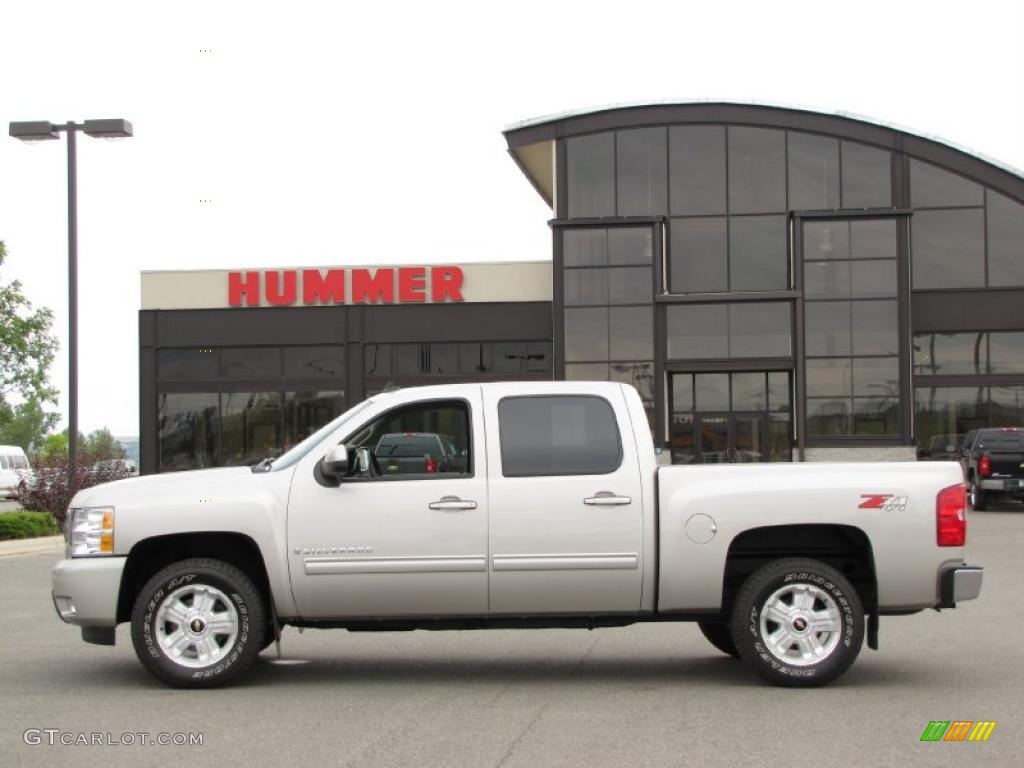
343	133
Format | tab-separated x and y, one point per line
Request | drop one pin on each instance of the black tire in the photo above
230	590
720	636
979	498
824	587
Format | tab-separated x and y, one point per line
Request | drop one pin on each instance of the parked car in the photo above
14	469
993	464
562	519
116	467
942	448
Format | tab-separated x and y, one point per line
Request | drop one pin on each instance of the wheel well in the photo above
844	547
151	555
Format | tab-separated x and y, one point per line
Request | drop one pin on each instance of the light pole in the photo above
42	131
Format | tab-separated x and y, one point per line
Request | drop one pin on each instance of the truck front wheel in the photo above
798	622
198	623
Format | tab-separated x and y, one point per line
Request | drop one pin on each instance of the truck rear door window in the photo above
1005	442
558	435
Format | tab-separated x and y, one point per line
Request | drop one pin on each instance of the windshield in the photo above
293	455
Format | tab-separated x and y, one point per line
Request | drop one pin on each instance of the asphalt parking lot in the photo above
651	694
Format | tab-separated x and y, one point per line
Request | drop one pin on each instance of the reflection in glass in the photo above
1006	352
187	429
779	391
641	181
697	168
758	256
873	238
828	417
638	375
585	286
869	279
586	334
591	175
1005	240
937	354
875	327
760	329
826	240
933	187
584	247
827	330
250	427
698	255
682	392
876	376
876	417
630	245
187	363
867	176
682	441
631	285
827	279
757	170
631	333
749	392
251	362
948	248
314	362
829	378
711	392
813	172
306	412
697	331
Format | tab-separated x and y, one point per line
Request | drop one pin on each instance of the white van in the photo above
14	469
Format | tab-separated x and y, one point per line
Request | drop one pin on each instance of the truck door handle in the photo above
452	502
607	499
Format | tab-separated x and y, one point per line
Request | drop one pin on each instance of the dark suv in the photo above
993	463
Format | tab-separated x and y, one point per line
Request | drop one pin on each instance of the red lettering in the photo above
378	288
412	284
446	283
277	295
321	289
248	286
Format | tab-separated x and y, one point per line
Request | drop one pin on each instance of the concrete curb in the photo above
45	544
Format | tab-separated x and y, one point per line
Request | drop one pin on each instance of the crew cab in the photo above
993	464
558	517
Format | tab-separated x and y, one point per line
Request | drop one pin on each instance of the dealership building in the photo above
778	284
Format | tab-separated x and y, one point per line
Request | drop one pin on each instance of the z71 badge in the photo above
886	501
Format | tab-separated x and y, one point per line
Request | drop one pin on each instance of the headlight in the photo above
92	531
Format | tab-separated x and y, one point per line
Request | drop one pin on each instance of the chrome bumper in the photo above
85	590
959	582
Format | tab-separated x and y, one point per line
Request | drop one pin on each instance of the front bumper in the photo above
959	582
85	590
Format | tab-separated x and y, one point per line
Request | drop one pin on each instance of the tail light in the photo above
429	465
985	465
951	516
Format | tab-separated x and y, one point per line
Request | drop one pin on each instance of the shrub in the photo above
51	490
26	525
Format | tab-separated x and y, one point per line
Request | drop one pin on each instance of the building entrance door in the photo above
731	438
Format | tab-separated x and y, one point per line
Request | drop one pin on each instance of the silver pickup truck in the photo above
558	517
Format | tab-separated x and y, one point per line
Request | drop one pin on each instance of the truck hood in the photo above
157	488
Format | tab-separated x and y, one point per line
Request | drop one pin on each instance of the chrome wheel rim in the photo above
974	494
196	625
800	624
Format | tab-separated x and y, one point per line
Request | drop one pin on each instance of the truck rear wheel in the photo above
198	623
979	499
798	622
720	636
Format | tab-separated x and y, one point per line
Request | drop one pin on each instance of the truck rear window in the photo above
405	447
1004	442
558	435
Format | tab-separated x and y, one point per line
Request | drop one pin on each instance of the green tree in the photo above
102	445
27	347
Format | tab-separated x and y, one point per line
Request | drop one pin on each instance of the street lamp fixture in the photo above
42	131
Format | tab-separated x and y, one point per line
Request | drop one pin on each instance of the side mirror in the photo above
335	464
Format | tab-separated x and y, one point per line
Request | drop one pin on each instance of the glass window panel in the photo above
631	333
711	392
682	392
630	245
934	187
697	331
471	358
559	435
760	329
630	285
937	354
1005	241
827	279
1006	407
827	328
873	278
697	169
749	391
586	334
306	412
948	248
813	172
828	417
826	240
251	362
586	372
314	362
250	427
584	247
873	238
187	431
402	439
377	359
780	439
682	443
444	358
876	376
638	375
698	255
943	415
877	417
508	357
585	286
829	378
757	170
409	359
591	175
1006	352
778	391
866	176
538	357
875	327
187	363
758	256
642	171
